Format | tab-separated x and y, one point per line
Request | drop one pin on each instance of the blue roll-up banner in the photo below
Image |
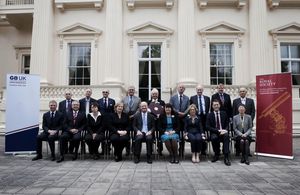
22	113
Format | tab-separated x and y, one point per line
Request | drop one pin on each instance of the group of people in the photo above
196	119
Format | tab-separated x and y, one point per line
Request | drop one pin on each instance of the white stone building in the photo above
75	44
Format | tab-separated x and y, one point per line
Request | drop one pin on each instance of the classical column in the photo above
259	53
186	42
42	41
113	43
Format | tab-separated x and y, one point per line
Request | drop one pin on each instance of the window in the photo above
221	63
25	64
290	60
149	69
80	63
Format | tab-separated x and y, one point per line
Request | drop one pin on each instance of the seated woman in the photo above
119	130
193	131
168	125
242	126
95	132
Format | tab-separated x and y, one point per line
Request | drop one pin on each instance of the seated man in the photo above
217	124
143	125
74	122
52	124
242	126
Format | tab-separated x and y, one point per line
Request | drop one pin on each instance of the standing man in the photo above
106	108
203	103
143	126
250	110
156	107
217	124
86	102
75	122
131	106
224	99
180	103
52	124
65	106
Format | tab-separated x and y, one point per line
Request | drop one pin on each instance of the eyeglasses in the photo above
104	91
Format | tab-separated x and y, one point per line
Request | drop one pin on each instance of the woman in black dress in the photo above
119	130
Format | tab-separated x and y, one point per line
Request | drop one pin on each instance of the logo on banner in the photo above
17	80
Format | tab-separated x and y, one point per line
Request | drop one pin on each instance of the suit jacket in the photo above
138	122
82	103
211	122
163	123
191	127
94	126
78	123
175	102
119	123
110	106
238	127
227	103
62	107
135	104
194	100
53	124
250	107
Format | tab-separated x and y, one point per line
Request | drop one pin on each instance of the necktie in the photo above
218	121
105	103
145	127
87	107
69	106
130	102
52	114
200	105
74	116
222	98
180	103
242	120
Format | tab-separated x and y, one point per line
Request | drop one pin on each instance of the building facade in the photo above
75	44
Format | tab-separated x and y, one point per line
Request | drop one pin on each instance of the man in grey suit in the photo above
131	106
250	109
180	103
143	126
242	126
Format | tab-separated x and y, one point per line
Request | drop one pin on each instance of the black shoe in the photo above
176	161
242	160
60	159
216	158
250	155
227	162
37	157
74	157
52	158
149	160
136	160
247	162
117	159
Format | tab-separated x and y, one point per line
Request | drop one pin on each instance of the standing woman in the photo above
119	130
193	131
95	133
168	125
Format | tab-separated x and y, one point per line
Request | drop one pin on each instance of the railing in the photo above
16	2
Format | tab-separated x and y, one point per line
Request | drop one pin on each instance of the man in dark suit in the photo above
106	108
86	102
156	107
143	125
203	104
217	124
52	124
74	122
224	99
131	106
250	110
180	103
65	106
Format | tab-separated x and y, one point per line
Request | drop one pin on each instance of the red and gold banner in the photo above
274	132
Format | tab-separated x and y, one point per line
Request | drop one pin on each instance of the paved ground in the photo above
19	175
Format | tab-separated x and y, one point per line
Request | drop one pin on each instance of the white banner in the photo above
22	112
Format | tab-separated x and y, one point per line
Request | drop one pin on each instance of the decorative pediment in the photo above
289	29
71	4
283	4
149	28
132	4
79	29
222	28
221	3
